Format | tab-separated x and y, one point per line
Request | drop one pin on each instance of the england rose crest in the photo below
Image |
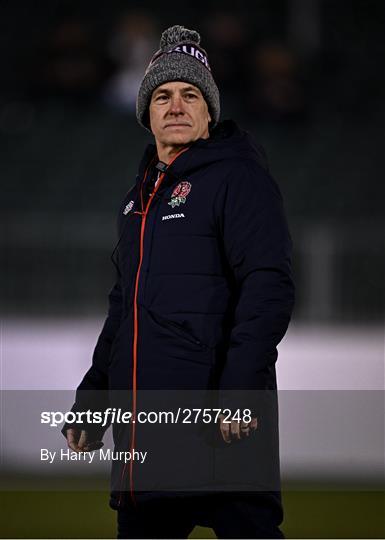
180	193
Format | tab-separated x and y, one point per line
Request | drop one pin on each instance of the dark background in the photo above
304	76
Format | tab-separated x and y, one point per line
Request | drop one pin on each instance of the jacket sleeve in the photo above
257	247
92	393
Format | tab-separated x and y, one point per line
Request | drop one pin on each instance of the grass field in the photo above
309	513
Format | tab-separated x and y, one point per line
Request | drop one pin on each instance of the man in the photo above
203	296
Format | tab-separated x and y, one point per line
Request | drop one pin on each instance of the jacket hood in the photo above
226	142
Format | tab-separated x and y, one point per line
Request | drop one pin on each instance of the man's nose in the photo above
176	105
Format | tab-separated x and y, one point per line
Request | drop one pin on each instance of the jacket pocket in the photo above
178	329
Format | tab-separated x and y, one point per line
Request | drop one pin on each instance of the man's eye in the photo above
189	96
159	98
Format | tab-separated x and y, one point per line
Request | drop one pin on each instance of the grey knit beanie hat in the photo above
179	58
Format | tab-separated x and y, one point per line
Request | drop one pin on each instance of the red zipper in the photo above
135	340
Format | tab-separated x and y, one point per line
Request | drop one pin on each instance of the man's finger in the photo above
245	429
72	439
235	430
253	424
225	429
83	439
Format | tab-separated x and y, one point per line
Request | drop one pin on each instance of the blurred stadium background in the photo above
306	77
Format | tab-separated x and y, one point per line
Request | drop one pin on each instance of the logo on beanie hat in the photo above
192	50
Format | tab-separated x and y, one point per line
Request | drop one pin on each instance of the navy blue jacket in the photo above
204	291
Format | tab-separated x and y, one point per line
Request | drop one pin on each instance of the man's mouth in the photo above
177	125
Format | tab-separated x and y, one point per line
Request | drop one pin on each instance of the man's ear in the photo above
209	117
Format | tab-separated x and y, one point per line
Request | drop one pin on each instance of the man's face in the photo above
178	114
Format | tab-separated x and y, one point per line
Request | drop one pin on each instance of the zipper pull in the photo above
161	166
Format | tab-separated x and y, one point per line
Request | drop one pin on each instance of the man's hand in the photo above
236	430
78	441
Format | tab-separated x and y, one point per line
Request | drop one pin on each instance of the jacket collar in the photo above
174	172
